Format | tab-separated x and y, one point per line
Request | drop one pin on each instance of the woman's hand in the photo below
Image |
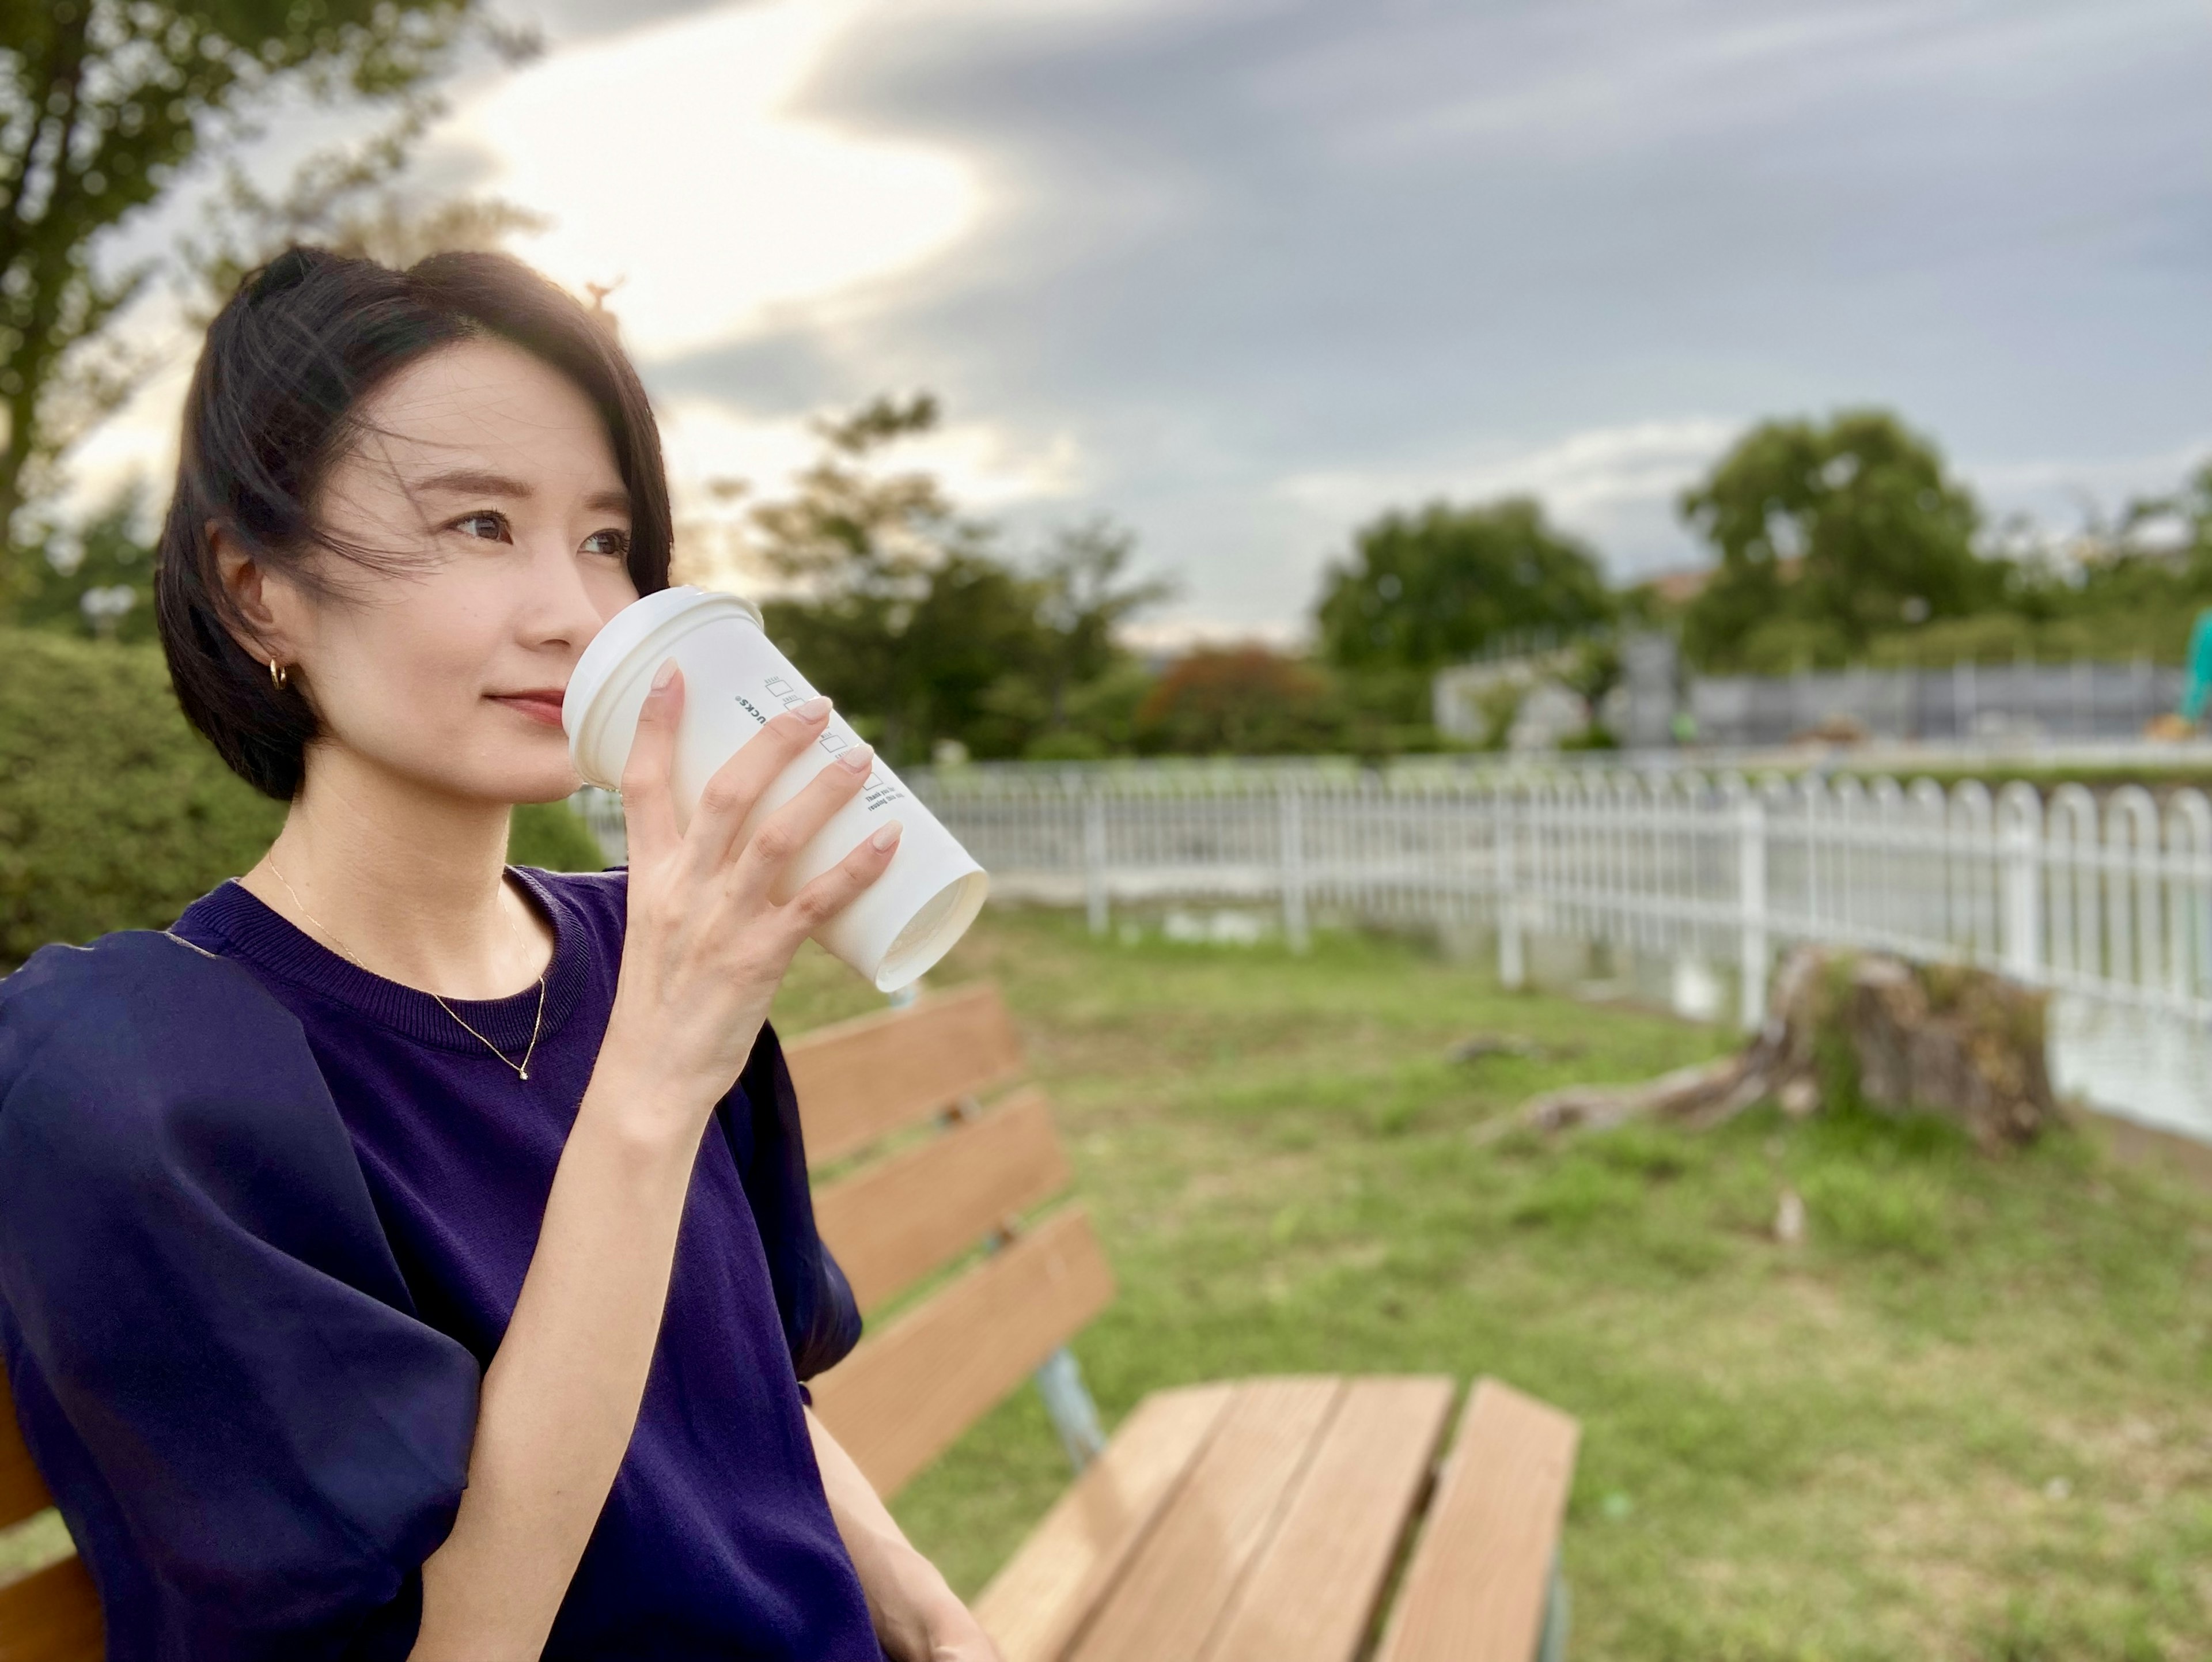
917	1617
707	944
971	1644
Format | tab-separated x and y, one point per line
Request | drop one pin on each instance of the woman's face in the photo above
491	474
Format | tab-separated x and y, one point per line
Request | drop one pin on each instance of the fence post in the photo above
1750	907
2021	858
1294	867
1511	971
1096	900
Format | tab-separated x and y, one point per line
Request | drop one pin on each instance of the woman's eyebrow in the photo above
476	482
472	482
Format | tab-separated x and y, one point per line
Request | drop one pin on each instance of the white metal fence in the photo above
2107	900
2110	897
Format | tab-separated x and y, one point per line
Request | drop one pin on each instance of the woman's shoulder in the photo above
600	899
63	994
138	1026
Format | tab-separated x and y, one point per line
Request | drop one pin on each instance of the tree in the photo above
1835	531
1428	589
105	104
397	231
1075	695
1085	602
1240	701
892	607
903	609
96	580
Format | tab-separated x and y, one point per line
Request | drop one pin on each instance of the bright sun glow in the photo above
669	162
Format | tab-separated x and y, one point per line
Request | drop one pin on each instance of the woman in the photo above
407	1255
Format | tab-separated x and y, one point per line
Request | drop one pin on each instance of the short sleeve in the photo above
216	1361
760	1117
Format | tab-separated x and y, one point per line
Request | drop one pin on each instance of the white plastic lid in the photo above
634	639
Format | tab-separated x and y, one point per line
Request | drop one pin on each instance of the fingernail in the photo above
886	836
858	758
813	710
664	675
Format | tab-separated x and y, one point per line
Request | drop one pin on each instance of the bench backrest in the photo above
925	1168
955	1176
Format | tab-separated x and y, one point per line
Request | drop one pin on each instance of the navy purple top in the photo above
263	1217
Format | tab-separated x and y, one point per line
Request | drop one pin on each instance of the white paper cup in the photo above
734	681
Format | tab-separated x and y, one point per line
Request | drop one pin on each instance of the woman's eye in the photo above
615	544
490	526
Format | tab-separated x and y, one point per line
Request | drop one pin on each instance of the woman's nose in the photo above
565	612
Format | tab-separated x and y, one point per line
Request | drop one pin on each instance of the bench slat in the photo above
906	1394
1035	1605
1475	1589
1312	1598
892	1224
860	1081
51	1615
1218	1523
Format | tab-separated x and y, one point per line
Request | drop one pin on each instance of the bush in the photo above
114	814
552	835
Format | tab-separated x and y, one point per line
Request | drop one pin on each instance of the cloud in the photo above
1615	486
982	465
671	163
1244	272
711	446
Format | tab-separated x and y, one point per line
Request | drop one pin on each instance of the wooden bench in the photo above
1232	1522
1258	1520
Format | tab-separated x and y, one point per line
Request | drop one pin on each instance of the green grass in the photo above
1967	1418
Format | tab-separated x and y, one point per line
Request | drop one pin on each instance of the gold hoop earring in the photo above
279	675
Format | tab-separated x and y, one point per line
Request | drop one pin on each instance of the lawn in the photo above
1967	1418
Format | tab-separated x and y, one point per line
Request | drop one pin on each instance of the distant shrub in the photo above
114	814
1239	701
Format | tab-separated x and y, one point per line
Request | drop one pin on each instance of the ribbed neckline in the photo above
266	935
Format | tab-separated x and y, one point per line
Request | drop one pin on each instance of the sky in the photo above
1242	274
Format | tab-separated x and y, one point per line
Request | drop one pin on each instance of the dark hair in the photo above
273	404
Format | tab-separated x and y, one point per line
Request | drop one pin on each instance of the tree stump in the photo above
1862	1030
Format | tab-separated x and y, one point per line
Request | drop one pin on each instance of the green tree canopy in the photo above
96	580
903	609
1835	531
103	105
1426	589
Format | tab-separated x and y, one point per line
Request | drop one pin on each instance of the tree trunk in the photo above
1850	1030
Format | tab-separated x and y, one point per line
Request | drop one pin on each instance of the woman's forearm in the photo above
916	1615
704	948
560	1400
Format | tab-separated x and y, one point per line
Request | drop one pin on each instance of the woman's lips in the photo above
537	706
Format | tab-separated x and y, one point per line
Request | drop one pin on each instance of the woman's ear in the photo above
255	602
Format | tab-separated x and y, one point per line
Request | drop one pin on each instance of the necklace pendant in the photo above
522	1073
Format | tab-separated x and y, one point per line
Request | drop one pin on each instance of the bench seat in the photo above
1262	1521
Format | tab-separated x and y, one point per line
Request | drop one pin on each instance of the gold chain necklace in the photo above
521	1068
